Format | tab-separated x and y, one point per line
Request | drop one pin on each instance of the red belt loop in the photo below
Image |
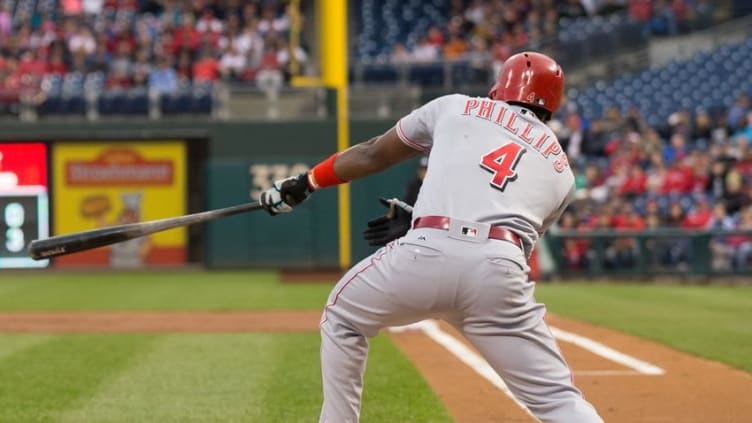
442	222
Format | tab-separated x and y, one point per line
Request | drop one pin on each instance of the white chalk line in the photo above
479	364
608	353
607	373
464	354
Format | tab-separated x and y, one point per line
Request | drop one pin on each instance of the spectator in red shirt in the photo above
186	36
56	65
206	68
680	9
10	81
72	7
183	68
435	37
640	10
118	79
744	154
700	163
120	34
30	64
636	183
699	217
678	180
627	219
129	4
269	77
575	249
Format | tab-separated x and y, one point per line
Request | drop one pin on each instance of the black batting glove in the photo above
391	226
285	194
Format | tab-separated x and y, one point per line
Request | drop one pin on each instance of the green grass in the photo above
709	321
184	290
108	378
43	380
275	377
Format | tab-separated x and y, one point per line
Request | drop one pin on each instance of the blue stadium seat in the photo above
73	101
112	102
137	101
52	87
94	82
179	102
202	101
427	74
709	79
385	73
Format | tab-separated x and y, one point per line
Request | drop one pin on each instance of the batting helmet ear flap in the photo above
532	79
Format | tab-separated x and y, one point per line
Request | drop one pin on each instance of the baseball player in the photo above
497	179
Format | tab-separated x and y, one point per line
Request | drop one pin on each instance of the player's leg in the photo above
380	291
504	322
535	372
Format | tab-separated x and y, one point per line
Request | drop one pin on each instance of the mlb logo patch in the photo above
470	232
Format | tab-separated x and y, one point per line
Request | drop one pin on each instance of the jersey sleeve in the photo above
553	217
416	129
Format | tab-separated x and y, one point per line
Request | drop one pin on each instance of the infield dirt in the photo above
692	390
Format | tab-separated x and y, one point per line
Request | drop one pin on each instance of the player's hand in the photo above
391	226
285	194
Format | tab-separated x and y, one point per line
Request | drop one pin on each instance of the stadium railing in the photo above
659	252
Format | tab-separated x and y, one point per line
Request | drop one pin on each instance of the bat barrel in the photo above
66	244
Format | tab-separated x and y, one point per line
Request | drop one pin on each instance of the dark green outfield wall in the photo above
365	192
229	160
308	237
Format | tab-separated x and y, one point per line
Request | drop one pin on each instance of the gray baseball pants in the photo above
481	288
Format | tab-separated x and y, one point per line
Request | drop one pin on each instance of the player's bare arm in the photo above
372	156
358	161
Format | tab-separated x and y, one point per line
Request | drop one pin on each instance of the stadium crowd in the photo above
497	29
696	173
693	174
148	44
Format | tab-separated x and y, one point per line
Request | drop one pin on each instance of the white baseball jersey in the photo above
489	162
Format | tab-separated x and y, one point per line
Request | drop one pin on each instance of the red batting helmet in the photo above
530	78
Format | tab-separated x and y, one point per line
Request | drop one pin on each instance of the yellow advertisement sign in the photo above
99	184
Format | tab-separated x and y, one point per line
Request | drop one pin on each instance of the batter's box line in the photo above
430	327
473	360
463	353
607	352
586	373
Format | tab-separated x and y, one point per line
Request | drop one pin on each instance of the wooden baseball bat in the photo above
72	243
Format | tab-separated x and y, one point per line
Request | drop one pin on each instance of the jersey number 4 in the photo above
502	162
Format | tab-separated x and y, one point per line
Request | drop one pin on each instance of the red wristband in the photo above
322	175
